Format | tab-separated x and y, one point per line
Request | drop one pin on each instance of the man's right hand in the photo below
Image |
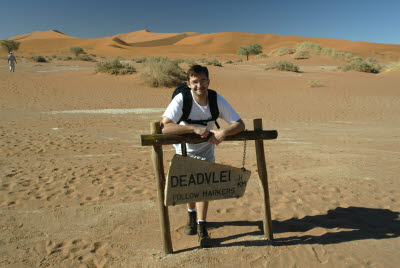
202	131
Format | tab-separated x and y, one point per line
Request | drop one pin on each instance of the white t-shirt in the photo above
205	150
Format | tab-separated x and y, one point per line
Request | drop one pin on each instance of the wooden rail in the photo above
165	139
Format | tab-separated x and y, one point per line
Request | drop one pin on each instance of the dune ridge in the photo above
145	42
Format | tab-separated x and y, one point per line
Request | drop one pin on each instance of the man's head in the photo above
196	70
197	80
10	52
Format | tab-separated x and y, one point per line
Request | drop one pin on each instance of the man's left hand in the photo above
217	137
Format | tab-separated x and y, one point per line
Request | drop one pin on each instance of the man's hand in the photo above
202	131
218	137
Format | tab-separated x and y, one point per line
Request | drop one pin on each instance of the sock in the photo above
192	210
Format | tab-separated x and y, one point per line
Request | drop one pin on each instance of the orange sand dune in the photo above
145	43
41	35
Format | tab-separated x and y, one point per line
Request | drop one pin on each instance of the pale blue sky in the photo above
355	20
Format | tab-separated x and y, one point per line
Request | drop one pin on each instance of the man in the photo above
11	60
198	81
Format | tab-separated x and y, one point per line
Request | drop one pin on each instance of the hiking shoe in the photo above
204	238
191	225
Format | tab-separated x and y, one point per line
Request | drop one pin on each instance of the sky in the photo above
354	20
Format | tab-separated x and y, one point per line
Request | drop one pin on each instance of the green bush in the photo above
67	58
163	72
77	51
251	49
282	65
10	45
228	62
301	54
39	59
360	66
92	55
114	67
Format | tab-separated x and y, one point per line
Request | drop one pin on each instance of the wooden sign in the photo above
191	180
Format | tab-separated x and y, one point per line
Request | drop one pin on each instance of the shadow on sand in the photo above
360	223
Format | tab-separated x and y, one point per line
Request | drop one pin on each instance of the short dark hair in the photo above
196	70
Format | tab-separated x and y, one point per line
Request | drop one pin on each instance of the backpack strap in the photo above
212	100
187	105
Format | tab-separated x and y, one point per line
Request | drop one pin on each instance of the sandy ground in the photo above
78	190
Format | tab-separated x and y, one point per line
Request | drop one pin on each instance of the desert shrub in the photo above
93	55
77	51
314	83
190	62
328	51
228	62
114	67
301	54
202	60
239	60
158	59
178	60
309	46
395	66
67	58
139	59
39	59
281	51
54	56
347	56
261	56
85	58
360	66
282	65
163	72
214	62
356	58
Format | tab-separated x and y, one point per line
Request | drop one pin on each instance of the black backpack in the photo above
187	105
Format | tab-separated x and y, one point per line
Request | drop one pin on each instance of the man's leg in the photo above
202	208
204	238
191	225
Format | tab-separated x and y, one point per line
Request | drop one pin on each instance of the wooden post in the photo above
157	157
262	172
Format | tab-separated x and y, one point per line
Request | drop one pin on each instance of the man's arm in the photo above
232	129
169	127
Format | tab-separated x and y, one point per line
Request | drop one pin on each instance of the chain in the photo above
244	155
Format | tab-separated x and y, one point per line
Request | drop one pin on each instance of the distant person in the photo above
12	61
200	122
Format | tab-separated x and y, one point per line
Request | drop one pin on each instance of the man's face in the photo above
199	84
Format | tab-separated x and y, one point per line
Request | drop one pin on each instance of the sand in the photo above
78	190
